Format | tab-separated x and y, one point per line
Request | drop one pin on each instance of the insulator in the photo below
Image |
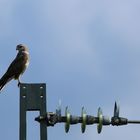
84	120
67	124
100	123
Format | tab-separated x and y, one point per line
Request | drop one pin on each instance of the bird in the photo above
17	67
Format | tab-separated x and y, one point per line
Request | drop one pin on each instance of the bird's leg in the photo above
19	82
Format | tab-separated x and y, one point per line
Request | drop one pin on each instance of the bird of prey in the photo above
17	67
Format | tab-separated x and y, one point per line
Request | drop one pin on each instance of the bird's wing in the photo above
16	66
11	71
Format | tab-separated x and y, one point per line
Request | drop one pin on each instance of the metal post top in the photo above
32	84
33	95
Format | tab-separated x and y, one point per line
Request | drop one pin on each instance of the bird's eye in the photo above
20	46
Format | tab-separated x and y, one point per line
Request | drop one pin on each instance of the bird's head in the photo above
21	47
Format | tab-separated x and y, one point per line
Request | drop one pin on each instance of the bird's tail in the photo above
3	81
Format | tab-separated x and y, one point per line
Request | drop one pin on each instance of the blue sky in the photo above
87	52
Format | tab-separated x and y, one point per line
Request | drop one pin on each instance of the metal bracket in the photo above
51	118
32	98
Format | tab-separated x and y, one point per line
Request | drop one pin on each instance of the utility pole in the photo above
32	98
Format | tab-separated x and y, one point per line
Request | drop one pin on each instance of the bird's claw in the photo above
19	84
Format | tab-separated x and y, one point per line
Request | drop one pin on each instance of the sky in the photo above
88	54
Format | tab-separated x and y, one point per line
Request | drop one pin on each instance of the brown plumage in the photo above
17	67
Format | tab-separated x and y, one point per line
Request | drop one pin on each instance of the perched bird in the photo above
17	67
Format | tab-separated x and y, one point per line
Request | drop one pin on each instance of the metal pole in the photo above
32	98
